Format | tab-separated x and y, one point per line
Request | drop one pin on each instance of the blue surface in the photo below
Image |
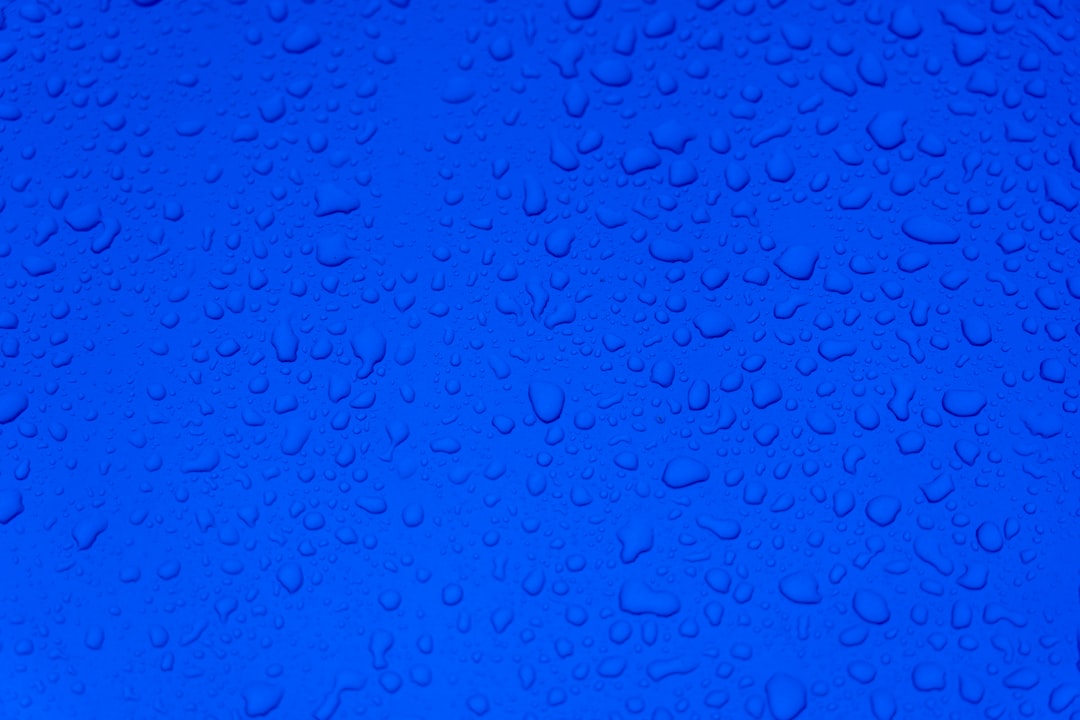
561	359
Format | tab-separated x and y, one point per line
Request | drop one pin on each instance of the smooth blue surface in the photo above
559	359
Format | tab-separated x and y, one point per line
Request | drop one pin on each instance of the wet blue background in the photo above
583	359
